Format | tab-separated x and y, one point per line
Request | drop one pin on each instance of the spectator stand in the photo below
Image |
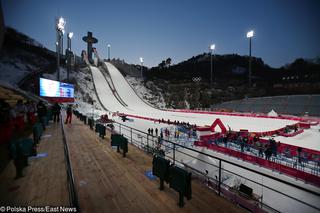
284	157
10	121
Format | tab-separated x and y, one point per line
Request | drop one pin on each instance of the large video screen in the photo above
55	89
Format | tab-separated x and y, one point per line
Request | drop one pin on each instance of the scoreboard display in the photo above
55	89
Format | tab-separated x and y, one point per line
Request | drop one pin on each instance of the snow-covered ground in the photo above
309	139
13	72
135	106
145	93
188	157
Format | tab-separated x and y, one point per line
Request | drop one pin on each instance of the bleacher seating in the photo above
294	104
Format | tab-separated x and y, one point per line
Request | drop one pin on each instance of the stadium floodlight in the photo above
212	47
141	60
70	35
109	46
61	23
250	34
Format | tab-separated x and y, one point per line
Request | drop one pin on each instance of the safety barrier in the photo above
302	175
174	151
292	134
266	133
73	197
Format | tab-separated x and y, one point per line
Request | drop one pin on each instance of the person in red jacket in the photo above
69	114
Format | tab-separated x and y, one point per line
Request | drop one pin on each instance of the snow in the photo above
88	79
12	72
146	94
136	106
308	139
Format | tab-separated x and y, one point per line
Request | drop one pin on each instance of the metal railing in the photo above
223	175
73	198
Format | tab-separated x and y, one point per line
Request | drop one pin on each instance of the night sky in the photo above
158	29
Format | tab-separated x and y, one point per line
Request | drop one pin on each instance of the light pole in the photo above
212	46
61	45
60	23
141	61
250	35
69	54
70	35
109	46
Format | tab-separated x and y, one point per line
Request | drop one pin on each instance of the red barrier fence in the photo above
292	134
304	125
310	178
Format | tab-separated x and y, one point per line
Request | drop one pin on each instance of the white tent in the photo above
273	113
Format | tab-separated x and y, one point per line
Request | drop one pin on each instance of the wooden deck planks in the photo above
107	182
45	179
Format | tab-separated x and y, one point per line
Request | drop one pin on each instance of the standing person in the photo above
268	152
16	151
18	158
42	112
156	130
151	131
225	140
21	111
56	112
260	148
242	143
69	114
4	112
30	111
299	150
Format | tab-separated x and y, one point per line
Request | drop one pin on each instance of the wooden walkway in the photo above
45	180
107	182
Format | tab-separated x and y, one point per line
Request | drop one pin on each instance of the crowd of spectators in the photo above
246	142
17	130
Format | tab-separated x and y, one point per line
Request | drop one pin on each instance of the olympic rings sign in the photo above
196	79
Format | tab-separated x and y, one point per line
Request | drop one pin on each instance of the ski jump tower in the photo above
89	39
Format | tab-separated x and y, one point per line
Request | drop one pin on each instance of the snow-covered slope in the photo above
155	99
138	107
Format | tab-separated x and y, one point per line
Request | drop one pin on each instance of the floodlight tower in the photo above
250	35
69	54
141	61
70	35
212	46
60	23
109	46
61	44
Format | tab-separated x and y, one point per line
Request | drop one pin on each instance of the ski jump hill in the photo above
117	96
135	107
121	98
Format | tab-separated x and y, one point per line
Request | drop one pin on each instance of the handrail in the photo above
242	167
73	198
